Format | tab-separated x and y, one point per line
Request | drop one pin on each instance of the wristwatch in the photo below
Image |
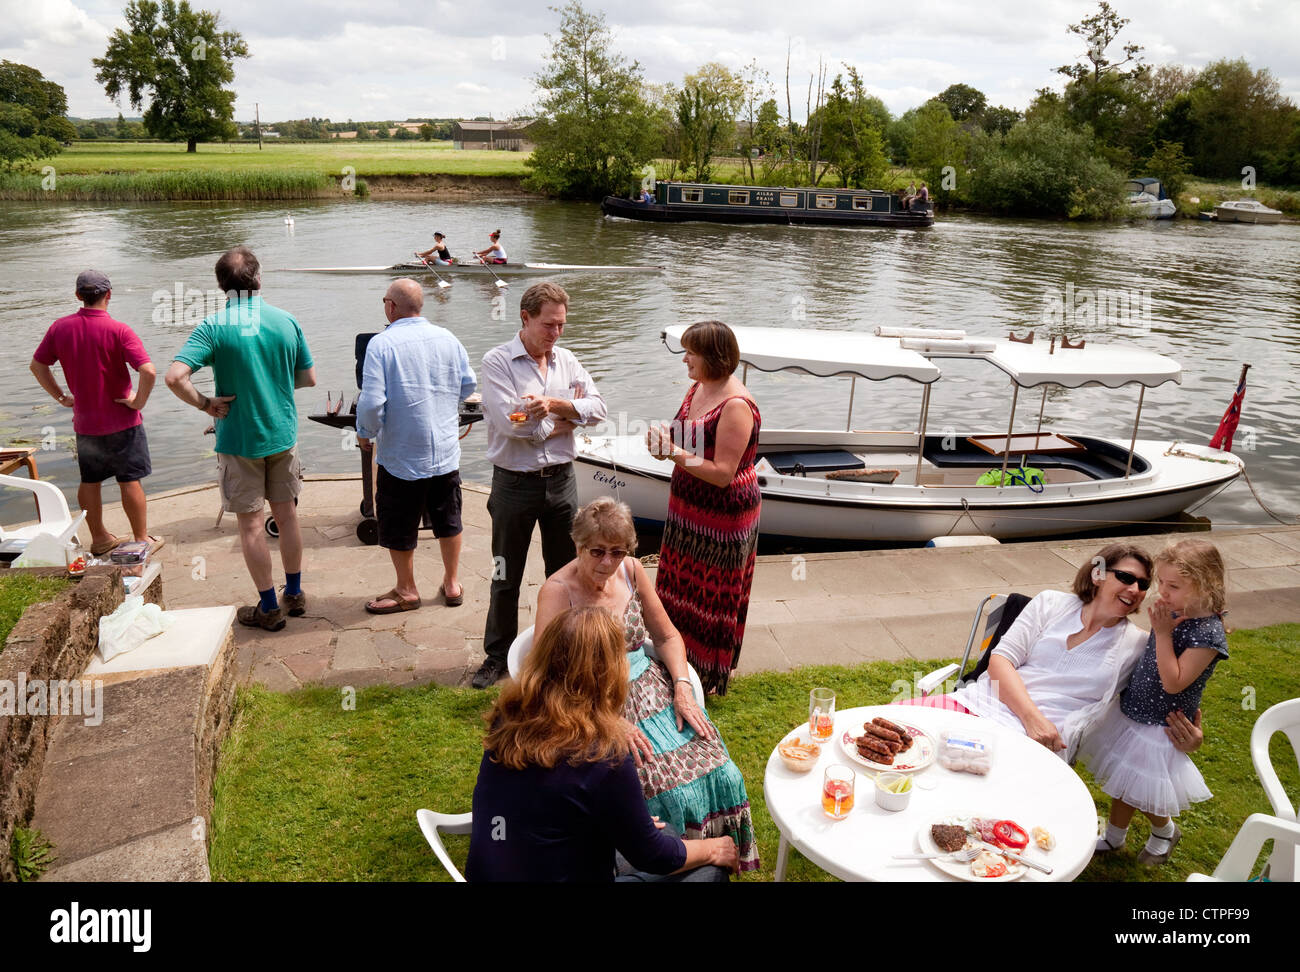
206	402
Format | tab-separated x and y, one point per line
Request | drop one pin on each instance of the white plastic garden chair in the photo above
1284	717
1244	850
523	644
51	508
431	824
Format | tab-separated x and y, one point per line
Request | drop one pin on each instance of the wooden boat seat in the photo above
819	461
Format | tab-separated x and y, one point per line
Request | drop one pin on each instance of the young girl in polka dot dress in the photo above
1129	753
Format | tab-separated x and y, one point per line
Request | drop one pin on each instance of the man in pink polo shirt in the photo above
94	351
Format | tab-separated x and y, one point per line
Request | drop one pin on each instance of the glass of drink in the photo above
519	412
821	715
837	792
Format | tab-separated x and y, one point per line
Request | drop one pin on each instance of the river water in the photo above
1211	296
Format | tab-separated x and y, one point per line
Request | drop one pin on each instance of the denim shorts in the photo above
123	456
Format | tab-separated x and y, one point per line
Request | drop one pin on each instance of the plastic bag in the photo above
131	625
963	752
43	550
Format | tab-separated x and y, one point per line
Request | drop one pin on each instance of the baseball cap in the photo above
92	283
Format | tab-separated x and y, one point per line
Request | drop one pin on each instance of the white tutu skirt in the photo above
1138	764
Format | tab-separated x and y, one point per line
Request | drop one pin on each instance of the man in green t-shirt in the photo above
258	357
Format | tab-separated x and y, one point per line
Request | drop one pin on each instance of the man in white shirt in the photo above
548	394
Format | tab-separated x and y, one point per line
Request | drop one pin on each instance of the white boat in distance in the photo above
479	269
907	486
1246	211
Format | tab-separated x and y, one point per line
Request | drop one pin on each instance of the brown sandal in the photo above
399	604
99	549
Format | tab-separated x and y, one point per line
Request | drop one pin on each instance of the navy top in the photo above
1145	699
564	824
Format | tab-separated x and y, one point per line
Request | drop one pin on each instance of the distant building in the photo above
269	134
510	136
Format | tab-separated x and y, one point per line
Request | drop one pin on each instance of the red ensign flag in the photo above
1228	424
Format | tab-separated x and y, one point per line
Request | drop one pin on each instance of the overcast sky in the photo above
395	59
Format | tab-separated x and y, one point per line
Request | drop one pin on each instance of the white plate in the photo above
958	869
917	756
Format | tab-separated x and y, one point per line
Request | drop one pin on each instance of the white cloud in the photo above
348	58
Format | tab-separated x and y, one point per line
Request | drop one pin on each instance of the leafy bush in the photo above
1045	167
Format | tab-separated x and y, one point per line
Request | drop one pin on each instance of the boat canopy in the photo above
827	353
1031	365
822	353
1148	186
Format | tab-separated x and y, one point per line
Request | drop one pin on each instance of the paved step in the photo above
129	798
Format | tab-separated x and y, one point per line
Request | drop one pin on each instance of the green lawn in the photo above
309	791
376	158
17	591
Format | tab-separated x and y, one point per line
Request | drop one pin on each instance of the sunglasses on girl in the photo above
1124	577
618	553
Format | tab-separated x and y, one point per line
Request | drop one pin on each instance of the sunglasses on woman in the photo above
1124	577
618	553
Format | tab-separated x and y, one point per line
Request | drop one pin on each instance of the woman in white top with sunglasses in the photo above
1063	662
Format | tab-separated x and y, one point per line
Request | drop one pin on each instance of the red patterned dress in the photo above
706	559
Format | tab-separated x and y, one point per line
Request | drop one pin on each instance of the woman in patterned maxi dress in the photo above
706	558
687	776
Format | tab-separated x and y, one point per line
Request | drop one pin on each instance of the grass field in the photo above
308	791
326	158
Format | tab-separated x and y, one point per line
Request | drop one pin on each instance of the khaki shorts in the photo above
247	484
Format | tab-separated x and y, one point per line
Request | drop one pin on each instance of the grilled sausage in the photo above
871	729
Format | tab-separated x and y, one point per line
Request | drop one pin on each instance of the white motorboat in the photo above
1246	211
910	486
1147	200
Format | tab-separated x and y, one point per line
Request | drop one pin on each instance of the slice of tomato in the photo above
1008	833
995	870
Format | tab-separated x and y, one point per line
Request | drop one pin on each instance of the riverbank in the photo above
154	171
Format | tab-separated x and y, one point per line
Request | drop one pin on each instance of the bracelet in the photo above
683	679
206	402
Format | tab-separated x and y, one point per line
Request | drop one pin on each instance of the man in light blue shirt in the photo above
415	376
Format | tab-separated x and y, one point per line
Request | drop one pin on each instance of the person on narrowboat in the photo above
438	252
647	197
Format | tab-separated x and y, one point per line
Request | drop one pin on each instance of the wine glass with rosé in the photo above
821	715
519	412
837	791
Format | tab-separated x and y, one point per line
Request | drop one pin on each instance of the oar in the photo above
442	284
500	282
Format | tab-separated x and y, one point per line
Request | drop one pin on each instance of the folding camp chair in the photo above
1002	611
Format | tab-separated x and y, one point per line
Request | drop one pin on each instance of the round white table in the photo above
1026	784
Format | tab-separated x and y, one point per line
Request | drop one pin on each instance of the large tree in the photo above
32	115
707	107
595	131
851	132
1100	92
180	61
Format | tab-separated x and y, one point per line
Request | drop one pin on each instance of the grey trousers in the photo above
519	502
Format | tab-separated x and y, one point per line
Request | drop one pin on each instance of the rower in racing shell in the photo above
438	252
494	253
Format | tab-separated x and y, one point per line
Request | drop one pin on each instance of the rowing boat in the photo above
478	269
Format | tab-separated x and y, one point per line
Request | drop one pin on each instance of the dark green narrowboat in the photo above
680	202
